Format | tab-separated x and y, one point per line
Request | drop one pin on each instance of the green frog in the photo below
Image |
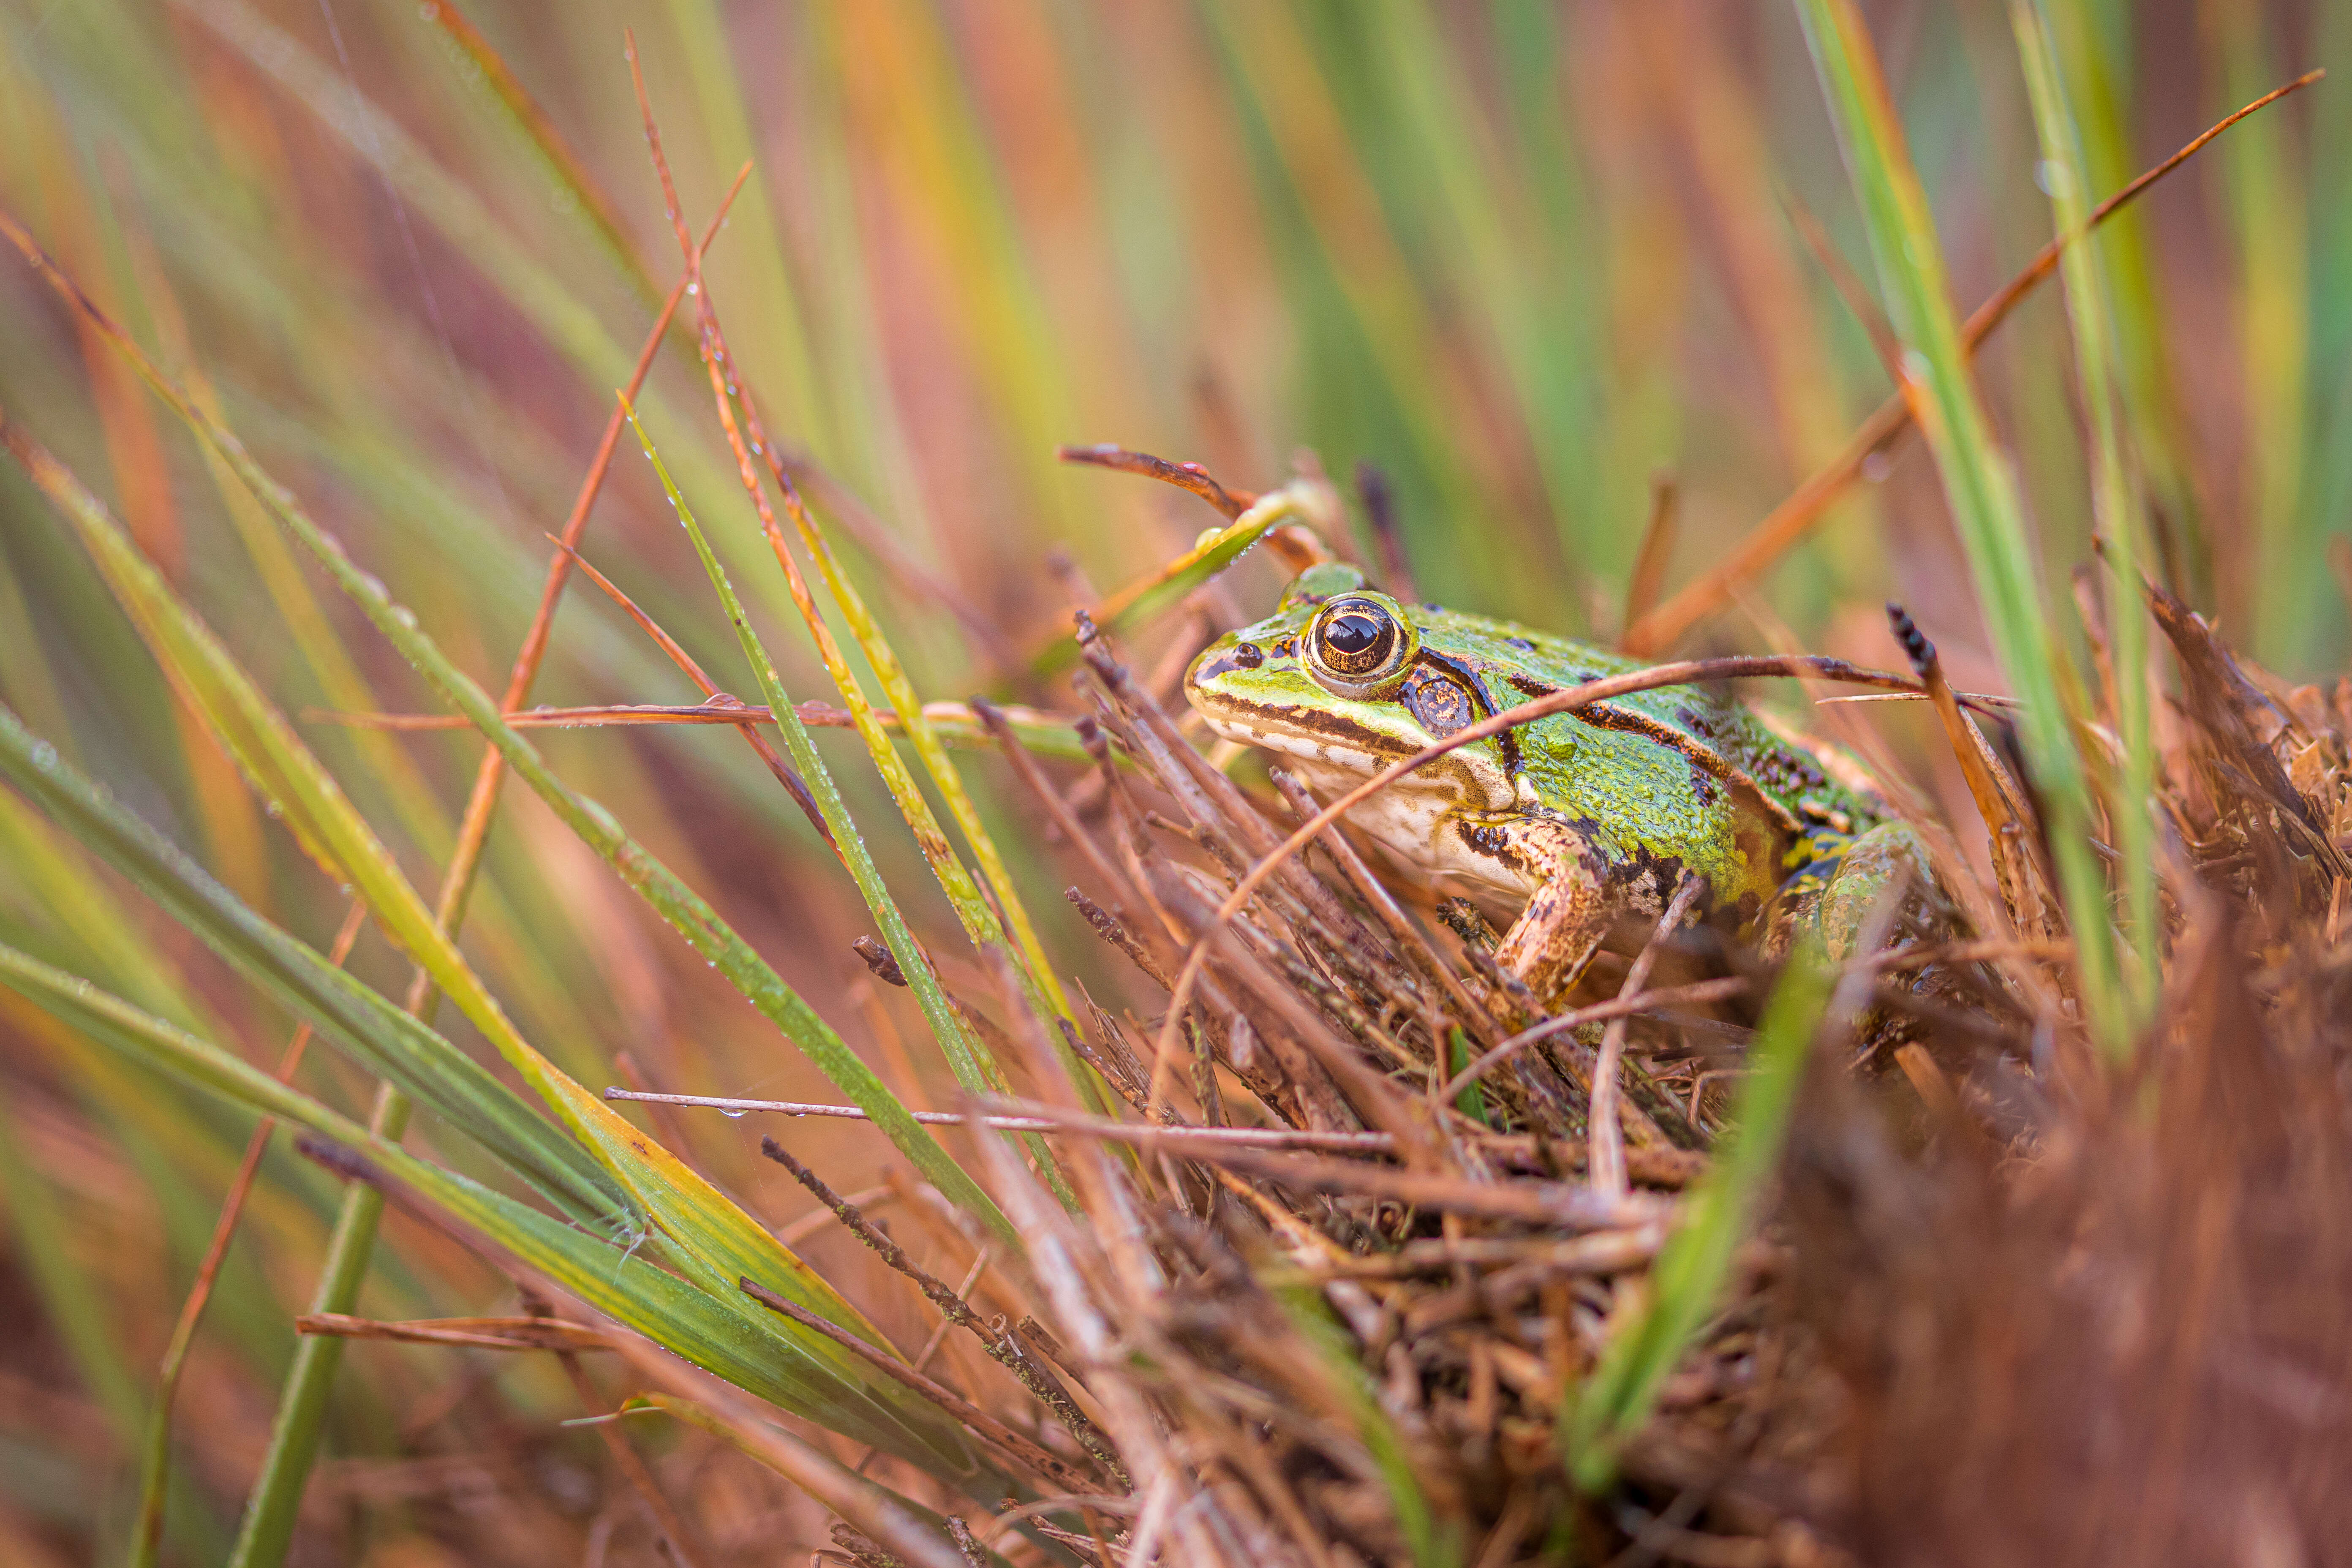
1571	821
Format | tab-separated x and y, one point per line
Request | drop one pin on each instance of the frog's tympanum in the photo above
1568	822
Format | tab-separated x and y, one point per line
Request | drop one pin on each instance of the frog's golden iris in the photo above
1359	646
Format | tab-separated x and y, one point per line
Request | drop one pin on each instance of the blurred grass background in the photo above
1522	256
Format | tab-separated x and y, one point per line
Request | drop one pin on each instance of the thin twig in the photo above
1189	476
477	1333
1022	1452
1604	1164
1004	1348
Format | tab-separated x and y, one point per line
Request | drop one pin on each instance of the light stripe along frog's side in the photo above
1577	817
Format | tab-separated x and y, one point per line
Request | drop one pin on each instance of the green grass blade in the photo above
685	911
1688	1277
980	922
285	774
974	1068
1978	484
707	1329
1434	1545
354	1017
2115	499
723	1240
702	1223
973	1065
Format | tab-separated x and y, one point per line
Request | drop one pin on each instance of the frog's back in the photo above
1705	723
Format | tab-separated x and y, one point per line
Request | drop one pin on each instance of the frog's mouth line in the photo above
1222	709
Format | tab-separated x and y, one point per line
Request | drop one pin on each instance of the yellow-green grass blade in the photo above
971	1061
2115	500
524	117
360	1023
980	922
1135	604
942	170
685	911
709	1331
723	1240
1978	484
1688	1279
282	769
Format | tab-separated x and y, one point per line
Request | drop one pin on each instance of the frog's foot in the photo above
1825	906
1552	941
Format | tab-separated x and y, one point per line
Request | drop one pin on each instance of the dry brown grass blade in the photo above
1656	552
2021	889
1698	993
1190	478
1855	293
476	1333
1787	523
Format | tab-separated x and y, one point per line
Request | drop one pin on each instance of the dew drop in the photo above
45	756
692	288
731	1115
405	615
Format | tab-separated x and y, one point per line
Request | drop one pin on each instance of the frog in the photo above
1572	822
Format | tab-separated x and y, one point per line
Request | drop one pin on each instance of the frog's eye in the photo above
1357	645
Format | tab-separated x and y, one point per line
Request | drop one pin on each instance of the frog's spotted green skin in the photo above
1577	816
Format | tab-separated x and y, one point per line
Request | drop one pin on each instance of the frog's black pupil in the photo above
1357	638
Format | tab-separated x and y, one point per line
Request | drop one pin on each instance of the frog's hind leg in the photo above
1552	941
1825	905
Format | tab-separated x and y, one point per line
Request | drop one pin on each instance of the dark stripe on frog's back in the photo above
1784	778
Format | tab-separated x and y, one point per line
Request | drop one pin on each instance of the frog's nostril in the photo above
1248	654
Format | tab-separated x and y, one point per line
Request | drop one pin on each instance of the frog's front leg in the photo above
1552	941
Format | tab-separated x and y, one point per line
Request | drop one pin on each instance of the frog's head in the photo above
1334	677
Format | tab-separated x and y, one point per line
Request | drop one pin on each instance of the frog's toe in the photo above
1885	861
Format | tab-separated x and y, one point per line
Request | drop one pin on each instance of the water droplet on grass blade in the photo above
731	1114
